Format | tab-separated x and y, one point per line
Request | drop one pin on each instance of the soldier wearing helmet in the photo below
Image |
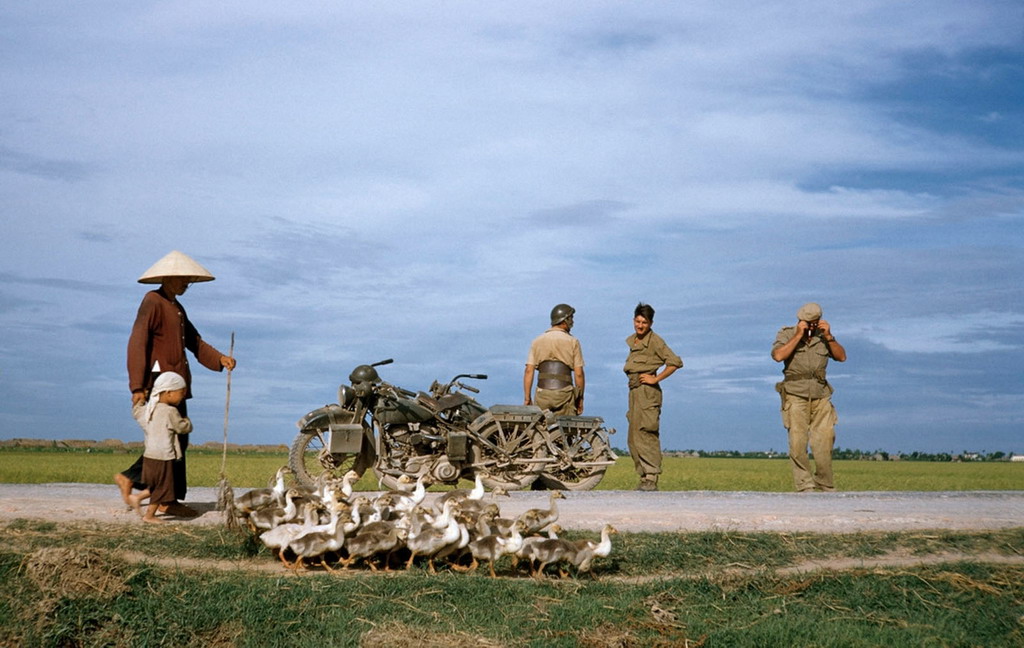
558	358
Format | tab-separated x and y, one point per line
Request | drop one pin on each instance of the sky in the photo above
425	181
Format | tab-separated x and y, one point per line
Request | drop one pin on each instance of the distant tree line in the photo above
842	453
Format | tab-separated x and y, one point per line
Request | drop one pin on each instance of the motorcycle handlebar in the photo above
473	376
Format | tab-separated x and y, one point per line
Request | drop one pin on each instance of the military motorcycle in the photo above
445	435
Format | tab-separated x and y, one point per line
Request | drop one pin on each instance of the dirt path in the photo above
627	510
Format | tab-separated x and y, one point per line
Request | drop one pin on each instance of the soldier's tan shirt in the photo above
804	371
555	344
648	353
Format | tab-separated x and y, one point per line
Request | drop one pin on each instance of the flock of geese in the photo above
332	525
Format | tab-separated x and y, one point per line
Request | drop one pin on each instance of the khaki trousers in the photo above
644	422
810	421
561	402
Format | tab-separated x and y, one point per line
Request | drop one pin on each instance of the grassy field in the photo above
765	475
90	584
93	585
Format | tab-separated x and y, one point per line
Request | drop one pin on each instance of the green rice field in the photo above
36	466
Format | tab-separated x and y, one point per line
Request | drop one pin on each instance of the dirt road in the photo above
627	510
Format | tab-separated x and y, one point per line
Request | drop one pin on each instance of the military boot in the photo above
648	483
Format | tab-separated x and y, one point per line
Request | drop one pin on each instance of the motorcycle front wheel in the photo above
309	458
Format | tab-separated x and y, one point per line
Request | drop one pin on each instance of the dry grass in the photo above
60	572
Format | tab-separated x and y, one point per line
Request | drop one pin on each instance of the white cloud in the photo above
950	333
370	180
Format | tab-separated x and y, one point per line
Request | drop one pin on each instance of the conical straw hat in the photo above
175	264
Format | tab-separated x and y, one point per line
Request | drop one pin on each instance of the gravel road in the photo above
626	510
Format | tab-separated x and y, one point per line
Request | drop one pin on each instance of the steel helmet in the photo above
364	373
561	313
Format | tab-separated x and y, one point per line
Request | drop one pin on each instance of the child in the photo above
162	423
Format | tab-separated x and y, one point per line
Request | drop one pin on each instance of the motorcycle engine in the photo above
414	439
421	448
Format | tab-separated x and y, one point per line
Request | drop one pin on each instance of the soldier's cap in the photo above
809	312
175	264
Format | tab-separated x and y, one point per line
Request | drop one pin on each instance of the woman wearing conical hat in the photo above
159	339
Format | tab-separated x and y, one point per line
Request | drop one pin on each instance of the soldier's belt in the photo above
553	381
796	377
554	375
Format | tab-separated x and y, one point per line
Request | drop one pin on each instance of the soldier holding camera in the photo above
807	410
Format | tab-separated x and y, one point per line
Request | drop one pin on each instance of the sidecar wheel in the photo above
519	442
573	447
309	458
572	479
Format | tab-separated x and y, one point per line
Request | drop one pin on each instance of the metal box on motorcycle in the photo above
345	438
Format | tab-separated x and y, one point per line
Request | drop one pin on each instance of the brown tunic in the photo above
161	333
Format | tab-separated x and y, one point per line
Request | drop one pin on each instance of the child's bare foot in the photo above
135	501
125	486
153	520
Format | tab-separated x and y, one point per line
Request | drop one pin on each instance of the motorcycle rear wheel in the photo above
518	442
309	458
591	447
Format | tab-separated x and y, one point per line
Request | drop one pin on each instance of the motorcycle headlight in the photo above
346	395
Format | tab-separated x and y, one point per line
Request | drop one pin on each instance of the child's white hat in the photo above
165	382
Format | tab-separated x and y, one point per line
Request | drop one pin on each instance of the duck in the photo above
268	517
336	509
547	552
480	523
277	538
455	550
348	481
587	550
536	519
428	540
353	514
260	497
497	524
493	547
471	506
318	493
317	544
403	501
370	543
527	547
459	494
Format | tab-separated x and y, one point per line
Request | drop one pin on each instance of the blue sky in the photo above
424	181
